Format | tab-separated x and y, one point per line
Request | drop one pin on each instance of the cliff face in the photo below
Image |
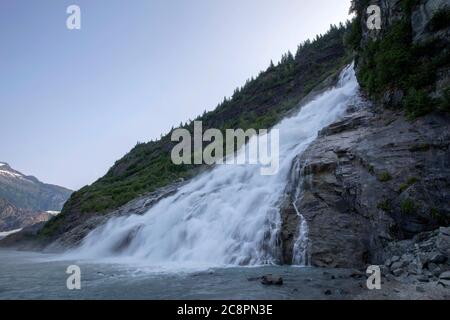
29	193
378	178
12	218
405	64
370	179
24	200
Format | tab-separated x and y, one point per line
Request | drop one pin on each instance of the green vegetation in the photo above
420	147
441	19
407	184
260	103
394	64
417	103
440	218
408	207
444	103
384	176
384	205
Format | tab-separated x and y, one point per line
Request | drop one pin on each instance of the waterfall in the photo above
300	250
227	216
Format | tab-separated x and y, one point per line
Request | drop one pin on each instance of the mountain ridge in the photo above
28	192
25	200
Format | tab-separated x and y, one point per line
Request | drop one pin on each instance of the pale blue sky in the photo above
73	102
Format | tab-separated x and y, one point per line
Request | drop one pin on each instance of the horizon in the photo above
119	63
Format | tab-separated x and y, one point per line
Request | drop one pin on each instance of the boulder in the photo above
445	276
397	272
438	258
444	283
271	280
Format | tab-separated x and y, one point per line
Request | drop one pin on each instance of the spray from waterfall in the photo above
227	216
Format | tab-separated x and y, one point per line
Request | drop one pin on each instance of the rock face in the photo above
24	200
421	14
425	257
12	218
433	37
421	17
271	280
370	179
374	178
27	192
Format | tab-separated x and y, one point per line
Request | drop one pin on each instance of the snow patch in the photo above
8	173
53	213
7	233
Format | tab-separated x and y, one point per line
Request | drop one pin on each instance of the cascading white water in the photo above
300	250
227	216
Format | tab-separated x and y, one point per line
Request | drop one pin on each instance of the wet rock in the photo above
421	17
437	271
357	274
420	289
438	258
352	216
444	283
389	277
342	292
397	265
271	280
253	278
443	241
397	272
423	278
445	276
395	259
384	270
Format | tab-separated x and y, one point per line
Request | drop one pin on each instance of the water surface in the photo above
26	275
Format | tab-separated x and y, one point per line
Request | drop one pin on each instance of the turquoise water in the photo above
25	275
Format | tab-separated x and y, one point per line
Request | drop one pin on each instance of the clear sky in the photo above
73	102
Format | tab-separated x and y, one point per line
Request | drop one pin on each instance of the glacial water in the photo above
227	216
28	275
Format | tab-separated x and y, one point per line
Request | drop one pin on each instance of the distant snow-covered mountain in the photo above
24	200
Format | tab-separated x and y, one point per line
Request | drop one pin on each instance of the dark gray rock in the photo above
444	283
445	276
421	17
397	272
438	258
397	265
27	192
423	278
351	215
271	280
328	292
420	289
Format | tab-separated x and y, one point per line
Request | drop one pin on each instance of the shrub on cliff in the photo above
393	62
